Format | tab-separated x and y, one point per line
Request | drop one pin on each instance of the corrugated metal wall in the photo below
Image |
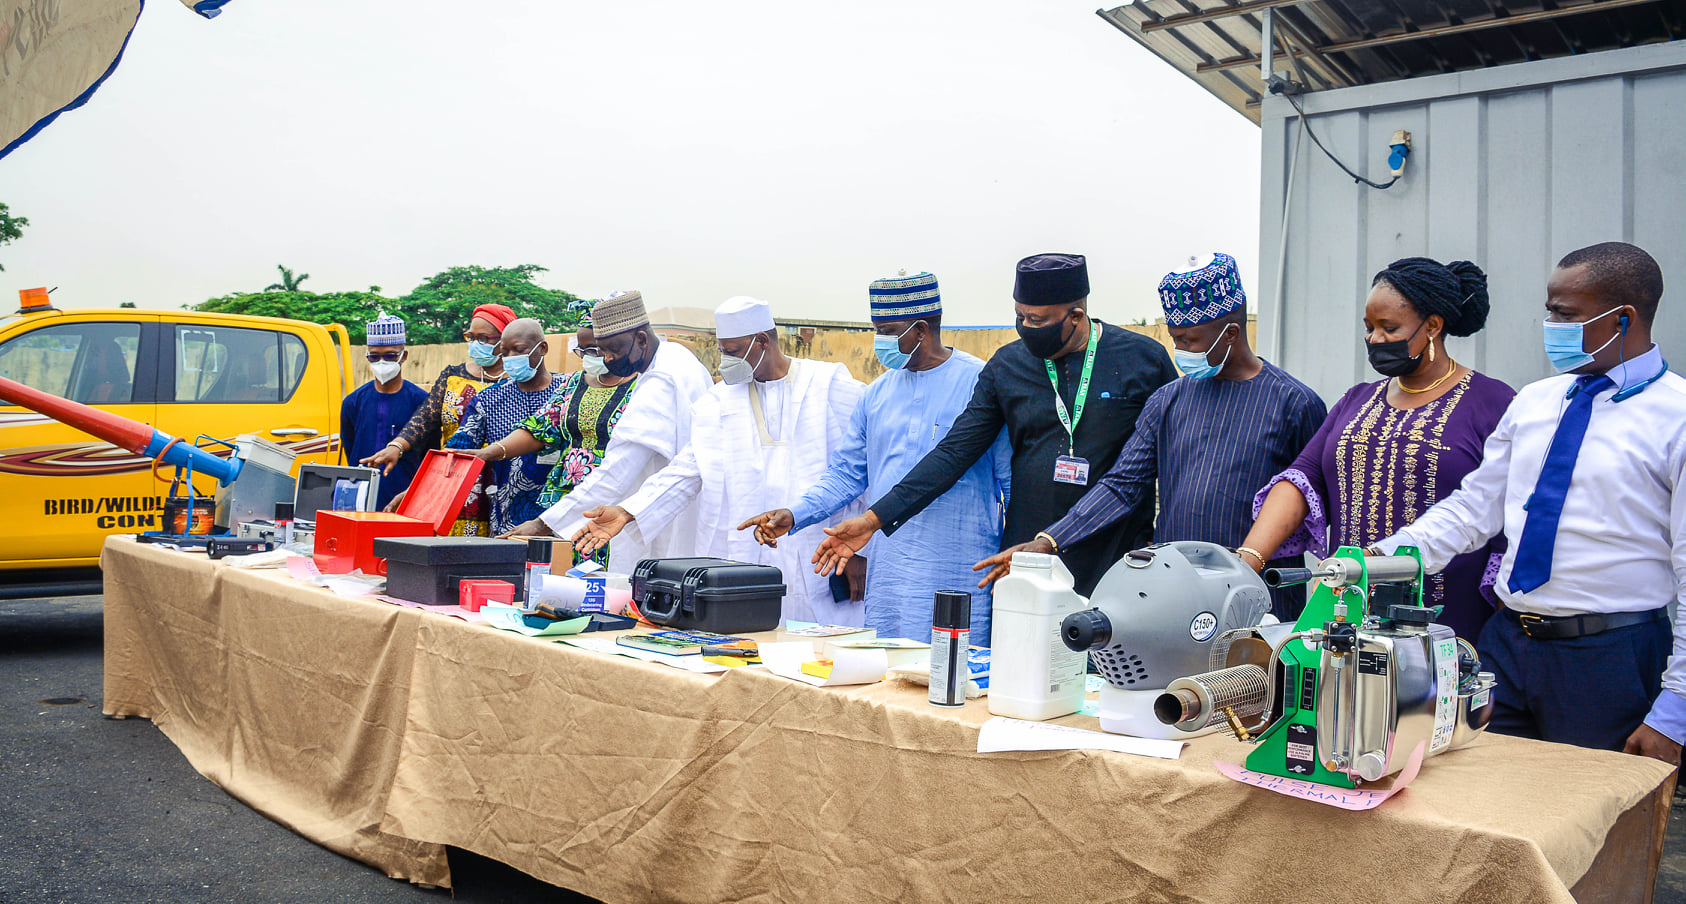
1512	167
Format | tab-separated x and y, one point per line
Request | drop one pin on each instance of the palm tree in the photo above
288	283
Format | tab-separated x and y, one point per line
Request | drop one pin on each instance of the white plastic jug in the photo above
1032	674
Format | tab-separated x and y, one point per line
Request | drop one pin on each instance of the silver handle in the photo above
296	431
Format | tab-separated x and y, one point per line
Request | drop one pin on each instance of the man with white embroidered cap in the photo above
902	416
373	414
1209	439
653	428
759	438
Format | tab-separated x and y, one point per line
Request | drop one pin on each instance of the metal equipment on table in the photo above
1347	693
1161	613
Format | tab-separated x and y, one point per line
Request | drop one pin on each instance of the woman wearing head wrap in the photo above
437	419
1389	450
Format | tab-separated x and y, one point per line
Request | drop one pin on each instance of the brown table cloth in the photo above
387	733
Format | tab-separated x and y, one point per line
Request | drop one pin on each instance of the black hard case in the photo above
716	595
428	569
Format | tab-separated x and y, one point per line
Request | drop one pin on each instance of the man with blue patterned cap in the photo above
373	414
1209	439
902	416
1068	393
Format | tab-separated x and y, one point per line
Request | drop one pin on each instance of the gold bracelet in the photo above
503	453
1051	541
1252	552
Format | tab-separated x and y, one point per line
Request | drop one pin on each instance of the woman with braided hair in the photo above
1388	450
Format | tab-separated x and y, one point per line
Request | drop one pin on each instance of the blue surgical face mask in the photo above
593	364
1565	343
1195	365
889	349
482	353
520	367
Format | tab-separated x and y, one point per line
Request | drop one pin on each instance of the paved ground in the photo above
98	810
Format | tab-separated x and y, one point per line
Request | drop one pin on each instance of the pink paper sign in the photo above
1346	799
302	568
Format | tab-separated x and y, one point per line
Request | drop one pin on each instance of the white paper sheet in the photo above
849	667
1002	734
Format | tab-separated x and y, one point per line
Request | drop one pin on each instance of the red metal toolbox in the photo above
345	540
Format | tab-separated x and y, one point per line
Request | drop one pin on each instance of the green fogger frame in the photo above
1289	747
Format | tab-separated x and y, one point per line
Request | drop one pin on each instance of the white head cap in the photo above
742	316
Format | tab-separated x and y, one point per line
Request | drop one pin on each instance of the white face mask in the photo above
384	371
593	364
735	370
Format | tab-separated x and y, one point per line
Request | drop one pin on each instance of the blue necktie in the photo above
1532	566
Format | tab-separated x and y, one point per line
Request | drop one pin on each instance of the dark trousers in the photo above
1587	691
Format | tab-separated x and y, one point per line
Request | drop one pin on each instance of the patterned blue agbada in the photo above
902	416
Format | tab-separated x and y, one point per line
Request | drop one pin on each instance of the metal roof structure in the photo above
1321	44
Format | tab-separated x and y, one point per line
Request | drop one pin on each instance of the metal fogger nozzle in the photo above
1227	695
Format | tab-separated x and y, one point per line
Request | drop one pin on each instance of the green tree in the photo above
127	304
351	309
437	310
288	283
11	228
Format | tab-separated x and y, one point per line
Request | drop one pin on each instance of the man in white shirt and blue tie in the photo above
1586	476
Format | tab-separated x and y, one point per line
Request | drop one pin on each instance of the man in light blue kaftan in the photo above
903	415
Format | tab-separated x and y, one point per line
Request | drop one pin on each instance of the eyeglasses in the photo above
488	338
388	356
588	351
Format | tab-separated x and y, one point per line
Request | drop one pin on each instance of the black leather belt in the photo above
1565	627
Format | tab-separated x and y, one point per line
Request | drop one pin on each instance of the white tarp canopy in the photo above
54	54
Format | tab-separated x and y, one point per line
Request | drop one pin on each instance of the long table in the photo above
388	733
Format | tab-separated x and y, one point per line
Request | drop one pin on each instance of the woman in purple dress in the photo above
1389	450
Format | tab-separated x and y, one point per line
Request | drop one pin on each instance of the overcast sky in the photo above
793	151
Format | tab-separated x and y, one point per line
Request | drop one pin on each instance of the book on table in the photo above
676	643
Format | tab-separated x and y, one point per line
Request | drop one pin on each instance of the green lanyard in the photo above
1070	421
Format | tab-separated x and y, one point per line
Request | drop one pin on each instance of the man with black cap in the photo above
1068	393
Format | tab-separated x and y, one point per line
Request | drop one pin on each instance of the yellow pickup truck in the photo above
185	373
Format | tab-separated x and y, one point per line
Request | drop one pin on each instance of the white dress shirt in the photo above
1621	539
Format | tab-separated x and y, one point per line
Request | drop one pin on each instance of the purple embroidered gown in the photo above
1372	469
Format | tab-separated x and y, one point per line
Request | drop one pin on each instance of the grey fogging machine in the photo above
1163	612
1348	692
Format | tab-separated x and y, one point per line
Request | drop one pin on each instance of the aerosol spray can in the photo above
538	566
951	639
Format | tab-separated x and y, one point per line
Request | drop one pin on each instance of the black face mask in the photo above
625	365
1044	341
1394	359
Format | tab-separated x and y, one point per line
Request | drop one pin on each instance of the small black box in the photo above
428	569
716	595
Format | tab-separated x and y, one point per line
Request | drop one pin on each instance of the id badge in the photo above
1071	469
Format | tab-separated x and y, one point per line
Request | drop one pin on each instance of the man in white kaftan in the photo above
654	427
759	438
